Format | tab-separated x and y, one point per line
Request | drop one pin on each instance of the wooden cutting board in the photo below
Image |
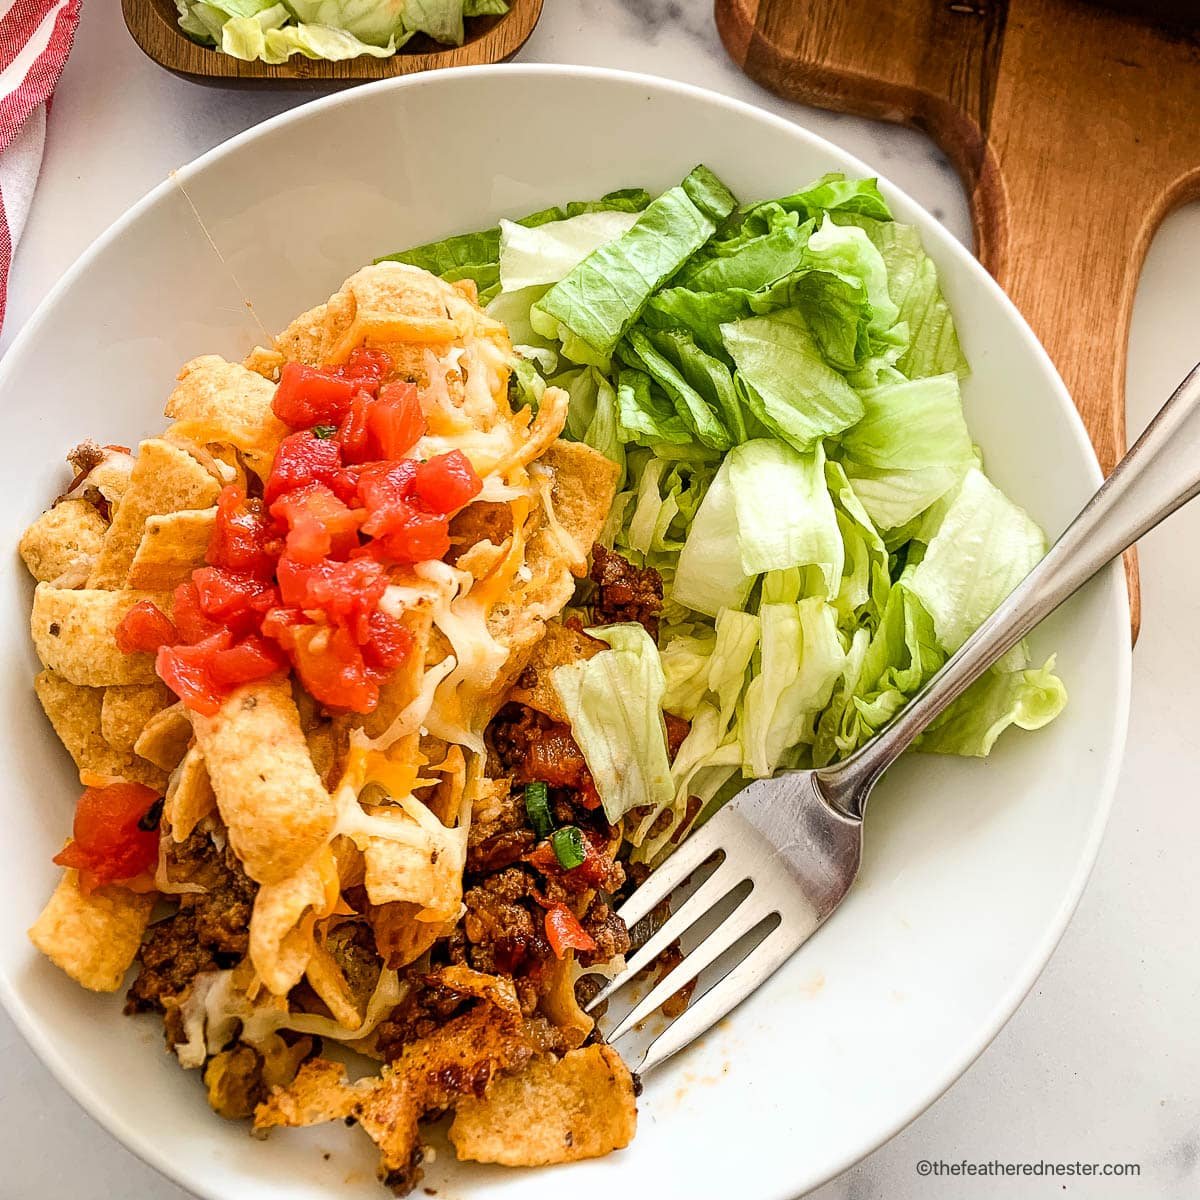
1074	126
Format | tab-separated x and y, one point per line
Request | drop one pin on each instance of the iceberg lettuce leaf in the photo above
985	546
786	382
593	306
614	701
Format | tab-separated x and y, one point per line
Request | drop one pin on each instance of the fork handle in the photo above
1160	473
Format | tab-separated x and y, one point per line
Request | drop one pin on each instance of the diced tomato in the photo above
144	628
242	538
445	483
331	667
293	580
366	367
591	873
564	932
389	643
422	537
232	598
346	592
394	421
187	671
190	619
319	524
276	623
307	396
402	532
385	489
344	485
252	658
301	459
353	435
109	845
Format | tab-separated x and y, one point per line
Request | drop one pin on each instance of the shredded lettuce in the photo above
1027	698
543	254
774	536
710	575
600	299
909	449
984	547
614	701
477	255
328	29
786	382
802	657
780	382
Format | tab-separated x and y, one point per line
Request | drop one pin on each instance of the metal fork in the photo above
793	843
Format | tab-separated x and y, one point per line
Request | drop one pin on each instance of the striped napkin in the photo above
35	39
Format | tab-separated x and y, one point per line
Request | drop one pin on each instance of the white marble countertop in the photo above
1102	1061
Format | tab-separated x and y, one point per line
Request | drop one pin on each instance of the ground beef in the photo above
427	1006
499	851
625	592
353	948
607	930
504	837
503	925
210	930
677	730
529	746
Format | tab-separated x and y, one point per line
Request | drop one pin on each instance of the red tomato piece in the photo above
331	667
366	367
301	459
190	619
232	598
389	643
394	421
252	658
423	536
186	670
447	482
564	932
346	592
293	579
385	490
242	538
109	845
144	628
319	524
277	622
344	485
352	434
591	873
307	396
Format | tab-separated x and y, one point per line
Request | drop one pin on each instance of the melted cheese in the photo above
218	1005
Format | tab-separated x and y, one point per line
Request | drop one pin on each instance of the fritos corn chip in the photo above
165	479
93	938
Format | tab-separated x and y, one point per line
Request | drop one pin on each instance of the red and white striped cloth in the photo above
35	39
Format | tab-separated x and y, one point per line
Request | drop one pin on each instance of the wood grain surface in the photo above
1074	126
154	26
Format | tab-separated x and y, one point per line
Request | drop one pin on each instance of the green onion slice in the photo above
537	808
567	843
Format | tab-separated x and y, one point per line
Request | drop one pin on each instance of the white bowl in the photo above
972	868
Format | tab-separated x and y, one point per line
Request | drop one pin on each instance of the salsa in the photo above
294	578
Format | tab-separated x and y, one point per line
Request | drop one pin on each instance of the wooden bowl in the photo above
155	28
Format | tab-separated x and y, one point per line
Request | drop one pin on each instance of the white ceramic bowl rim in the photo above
140	1140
